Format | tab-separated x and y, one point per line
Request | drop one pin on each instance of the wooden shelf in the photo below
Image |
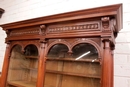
72	59
73	74
29	68
32	57
22	84
48	86
24	68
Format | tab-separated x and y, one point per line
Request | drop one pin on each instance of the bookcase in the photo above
73	49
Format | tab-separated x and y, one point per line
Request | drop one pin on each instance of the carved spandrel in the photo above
87	26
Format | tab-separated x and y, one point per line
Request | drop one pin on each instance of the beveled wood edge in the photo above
111	10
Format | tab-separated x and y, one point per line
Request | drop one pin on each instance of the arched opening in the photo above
23	67
84	51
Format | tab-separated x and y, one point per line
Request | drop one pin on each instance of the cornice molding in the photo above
98	12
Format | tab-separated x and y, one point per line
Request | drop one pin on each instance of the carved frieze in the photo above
28	31
24	32
69	28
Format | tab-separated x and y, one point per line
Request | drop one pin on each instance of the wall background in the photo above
17	10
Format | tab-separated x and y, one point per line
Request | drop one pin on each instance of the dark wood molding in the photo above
1	12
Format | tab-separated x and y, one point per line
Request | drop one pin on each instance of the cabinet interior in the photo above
23	67
80	68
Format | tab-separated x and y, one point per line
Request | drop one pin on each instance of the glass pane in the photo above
58	51
73	81
83	68
84	51
52	80
31	50
57	65
72	70
22	68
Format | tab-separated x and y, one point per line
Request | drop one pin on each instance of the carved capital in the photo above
111	44
105	23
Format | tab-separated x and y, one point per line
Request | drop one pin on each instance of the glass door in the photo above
23	67
79	69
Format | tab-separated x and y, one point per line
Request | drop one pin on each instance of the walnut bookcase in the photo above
73	49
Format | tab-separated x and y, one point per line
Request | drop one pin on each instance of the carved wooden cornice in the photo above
112	10
103	22
1	12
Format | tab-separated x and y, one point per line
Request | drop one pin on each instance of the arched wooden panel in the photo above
15	44
90	42
58	42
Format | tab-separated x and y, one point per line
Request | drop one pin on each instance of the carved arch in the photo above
36	50
90	42
58	42
16	43
31	43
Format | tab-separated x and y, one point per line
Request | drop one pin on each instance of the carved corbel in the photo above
105	23
114	27
42	29
1	12
7	33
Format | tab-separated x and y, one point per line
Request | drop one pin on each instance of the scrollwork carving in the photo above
105	23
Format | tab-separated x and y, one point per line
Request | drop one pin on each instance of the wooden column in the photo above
112	72
41	65
107	67
5	67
